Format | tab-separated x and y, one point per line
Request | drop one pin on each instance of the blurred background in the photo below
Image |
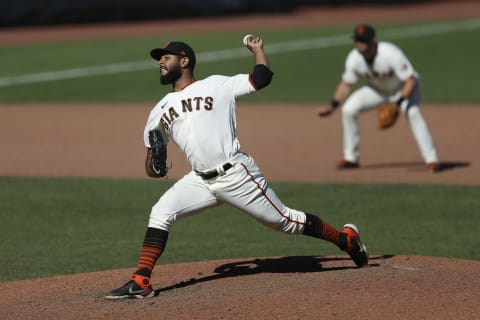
53	12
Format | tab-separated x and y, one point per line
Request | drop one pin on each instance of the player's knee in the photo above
284	225
349	113
294	222
413	113
161	220
413	110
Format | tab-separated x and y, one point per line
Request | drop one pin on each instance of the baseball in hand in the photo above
248	36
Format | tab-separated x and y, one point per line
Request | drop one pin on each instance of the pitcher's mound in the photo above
304	287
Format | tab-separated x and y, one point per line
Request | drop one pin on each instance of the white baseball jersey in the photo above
201	119
387	73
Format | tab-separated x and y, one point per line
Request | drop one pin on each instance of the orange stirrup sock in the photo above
142	281
315	227
153	246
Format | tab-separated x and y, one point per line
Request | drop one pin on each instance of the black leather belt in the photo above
213	173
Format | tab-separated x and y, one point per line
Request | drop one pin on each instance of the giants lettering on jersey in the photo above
188	105
375	74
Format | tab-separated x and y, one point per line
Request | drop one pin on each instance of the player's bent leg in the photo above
251	193
248	190
139	286
272	213
186	197
361	100
351	136
422	135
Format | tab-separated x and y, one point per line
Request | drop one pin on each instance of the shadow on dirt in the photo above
452	165
292	264
417	166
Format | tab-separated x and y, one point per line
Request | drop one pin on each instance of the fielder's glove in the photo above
387	115
158	162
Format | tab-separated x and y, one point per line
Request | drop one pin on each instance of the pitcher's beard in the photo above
173	75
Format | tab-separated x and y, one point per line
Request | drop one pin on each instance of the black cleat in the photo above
133	290
356	249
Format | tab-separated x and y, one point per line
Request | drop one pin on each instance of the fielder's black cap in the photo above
364	33
177	48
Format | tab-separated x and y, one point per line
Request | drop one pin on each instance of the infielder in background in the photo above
390	78
199	116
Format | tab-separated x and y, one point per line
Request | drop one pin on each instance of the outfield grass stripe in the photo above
75	73
231	54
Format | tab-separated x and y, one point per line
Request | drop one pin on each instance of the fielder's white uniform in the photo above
201	121
385	78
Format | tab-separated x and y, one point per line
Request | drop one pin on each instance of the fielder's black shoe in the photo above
137	288
434	167
356	249
345	164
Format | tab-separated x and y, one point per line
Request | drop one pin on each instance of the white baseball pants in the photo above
242	186
367	98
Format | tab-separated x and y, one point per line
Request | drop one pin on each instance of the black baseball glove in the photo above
158	161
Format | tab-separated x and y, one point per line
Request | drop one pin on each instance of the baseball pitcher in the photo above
199	117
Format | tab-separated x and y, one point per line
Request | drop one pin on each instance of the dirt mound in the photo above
304	287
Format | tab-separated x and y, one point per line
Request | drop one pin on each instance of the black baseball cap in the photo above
177	48
364	33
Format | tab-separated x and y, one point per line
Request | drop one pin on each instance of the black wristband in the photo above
399	101
334	103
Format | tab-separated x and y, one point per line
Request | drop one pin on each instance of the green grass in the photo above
447	62
51	226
